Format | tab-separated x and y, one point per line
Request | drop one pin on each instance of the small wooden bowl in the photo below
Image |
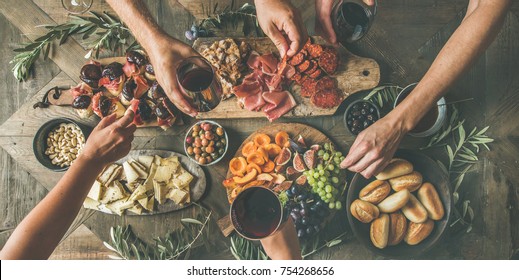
39	144
432	173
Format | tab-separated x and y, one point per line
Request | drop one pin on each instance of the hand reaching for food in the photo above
323	23
374	147
282	23
111	139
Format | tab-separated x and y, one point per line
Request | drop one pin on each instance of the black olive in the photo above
349	122
363	111
81	102
356	107
90	74
372	110
145	110
136	57
370	117
162	112
105	104
356	124
113	71
149	69
356	113
365	105
128	89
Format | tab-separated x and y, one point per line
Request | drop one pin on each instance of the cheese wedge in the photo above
143	173
178	196
161	191
146	161
131	174
113	193
91	204
148	184
136	209
96	192
119	206
138	194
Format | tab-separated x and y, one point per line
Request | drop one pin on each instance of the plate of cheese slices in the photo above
147	182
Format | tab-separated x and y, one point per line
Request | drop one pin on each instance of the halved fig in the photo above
315	147
292	173
309	158
284	157
283	186
298	162
301	141
280	168
296	147
301	180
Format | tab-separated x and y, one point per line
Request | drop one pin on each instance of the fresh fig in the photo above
284	157
280	168
309	158
292	173
298	162
296	147
301	141
315	147
301	180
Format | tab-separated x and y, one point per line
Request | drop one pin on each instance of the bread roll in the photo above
394	202
411	181
375	191
396	167
431	201
364	211
416	233
397	228
414	210
379	231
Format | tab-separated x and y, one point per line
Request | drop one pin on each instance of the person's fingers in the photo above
177	97
367	2
130	130
372	169
297	38
367	160
106	121
278	39
356	152
126	120
325	26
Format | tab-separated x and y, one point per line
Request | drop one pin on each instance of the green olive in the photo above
209	149
219	131
190	150
196	128
202	160
221	151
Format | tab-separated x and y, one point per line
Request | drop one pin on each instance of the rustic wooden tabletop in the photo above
404	40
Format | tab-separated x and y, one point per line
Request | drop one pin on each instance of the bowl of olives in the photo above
206	143
360	115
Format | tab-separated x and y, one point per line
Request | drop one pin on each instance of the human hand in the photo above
323	16
284	244
111	139
374	147
165	55
282	23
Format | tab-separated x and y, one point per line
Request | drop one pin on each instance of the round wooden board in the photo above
353	75
197	188
310	134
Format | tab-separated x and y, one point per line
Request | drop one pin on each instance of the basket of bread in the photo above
404	210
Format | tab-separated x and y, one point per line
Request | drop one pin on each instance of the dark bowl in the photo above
432	173
350	107
39	144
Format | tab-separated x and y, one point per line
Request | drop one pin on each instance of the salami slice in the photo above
313	66
308	87
316	74
315	50
298	58
297	77
329	60
326	98
326	83
303	66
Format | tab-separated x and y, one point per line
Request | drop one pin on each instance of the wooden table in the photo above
404	40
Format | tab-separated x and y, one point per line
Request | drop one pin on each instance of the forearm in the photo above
284	244
476	32
40	232
137	17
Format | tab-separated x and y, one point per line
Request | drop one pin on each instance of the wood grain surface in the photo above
353	75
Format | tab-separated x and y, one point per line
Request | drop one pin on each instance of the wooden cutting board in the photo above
354	74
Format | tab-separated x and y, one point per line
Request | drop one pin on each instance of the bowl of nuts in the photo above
206	143
58	143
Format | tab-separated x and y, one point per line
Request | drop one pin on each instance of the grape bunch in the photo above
306	209
324	179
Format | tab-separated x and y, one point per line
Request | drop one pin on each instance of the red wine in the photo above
197	79
355	14
256	213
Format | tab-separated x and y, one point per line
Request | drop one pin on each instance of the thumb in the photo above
106	121
279	40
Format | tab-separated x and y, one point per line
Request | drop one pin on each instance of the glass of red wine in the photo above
199	83
352	19
256	213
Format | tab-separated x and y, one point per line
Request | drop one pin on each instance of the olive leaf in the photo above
218	19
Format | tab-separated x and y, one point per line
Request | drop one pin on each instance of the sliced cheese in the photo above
136	209
139	193
185	177
146	161
178	196
108	174
91	204
113	193
148	184
119	206
131	174
161	191
143	173
96	192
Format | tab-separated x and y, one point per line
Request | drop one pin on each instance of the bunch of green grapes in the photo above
324	179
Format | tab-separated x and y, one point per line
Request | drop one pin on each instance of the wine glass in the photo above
76	6
352	19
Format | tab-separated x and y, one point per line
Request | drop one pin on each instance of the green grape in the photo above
338	205
327	173
329	195
342	158
323	179
336	171
320	184
331	205
336	160
311	172
320	153
326	156
311	180
321	172
328	188
338	154
322	193
332	199
325	200
320	167
331	167
305	173
316	175
335	180
327	146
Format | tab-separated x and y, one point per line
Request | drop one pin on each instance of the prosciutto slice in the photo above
278	104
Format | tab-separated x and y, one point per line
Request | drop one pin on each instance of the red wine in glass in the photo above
256	213
352	19
199	83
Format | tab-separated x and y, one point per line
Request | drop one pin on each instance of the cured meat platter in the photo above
353	74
